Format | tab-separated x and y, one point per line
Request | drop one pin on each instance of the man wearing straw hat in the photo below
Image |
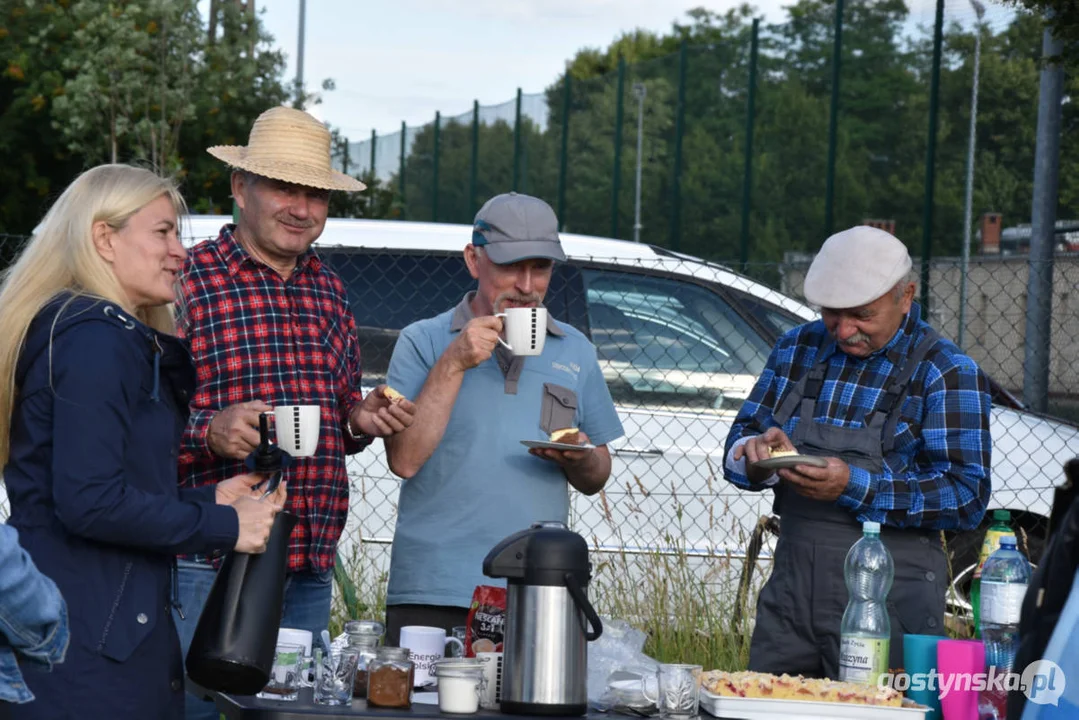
269	324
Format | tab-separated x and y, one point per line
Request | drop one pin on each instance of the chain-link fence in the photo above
681	343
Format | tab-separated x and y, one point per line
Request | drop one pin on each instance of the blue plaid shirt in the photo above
937	476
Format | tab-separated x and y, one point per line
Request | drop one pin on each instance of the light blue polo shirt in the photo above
481	484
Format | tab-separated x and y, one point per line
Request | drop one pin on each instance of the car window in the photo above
672	344
389	290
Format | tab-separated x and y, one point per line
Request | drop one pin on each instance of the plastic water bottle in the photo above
866	629
990	543
1005	577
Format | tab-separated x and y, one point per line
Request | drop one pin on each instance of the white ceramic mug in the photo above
525	330
425	646
297	428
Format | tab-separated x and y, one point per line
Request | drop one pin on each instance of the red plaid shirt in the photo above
255	336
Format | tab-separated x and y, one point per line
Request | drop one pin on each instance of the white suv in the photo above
681	341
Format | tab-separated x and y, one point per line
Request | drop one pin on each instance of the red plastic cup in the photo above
959	662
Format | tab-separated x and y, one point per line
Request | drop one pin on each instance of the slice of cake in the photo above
569	436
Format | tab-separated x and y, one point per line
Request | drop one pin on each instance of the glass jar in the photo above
364	637
389	678
461	683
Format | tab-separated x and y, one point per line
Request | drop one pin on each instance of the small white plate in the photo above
543	444
788	461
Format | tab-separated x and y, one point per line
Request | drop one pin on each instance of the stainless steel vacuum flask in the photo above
549	620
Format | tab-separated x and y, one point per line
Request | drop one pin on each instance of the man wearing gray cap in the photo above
900	417
468	480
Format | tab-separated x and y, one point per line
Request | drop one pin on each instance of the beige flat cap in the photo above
855	267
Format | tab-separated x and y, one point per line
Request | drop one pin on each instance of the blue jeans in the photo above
307	607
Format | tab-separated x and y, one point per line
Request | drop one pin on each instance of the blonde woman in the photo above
94	391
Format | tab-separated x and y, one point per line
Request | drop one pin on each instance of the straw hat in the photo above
289	145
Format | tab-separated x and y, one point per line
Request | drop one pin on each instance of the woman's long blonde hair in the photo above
62	256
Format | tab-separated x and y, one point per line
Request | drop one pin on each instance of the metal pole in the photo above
931	156
833	123
968	218
374	143
747	176
640	91
401	172
1042	222
299	57
562	166
473	174
516	142
616	179
434	177
679	131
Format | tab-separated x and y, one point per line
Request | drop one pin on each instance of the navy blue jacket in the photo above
101	404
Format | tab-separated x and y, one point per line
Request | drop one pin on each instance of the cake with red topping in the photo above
748	684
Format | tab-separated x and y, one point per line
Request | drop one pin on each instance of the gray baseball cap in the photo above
512	227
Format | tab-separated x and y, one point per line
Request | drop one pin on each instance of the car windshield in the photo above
671	342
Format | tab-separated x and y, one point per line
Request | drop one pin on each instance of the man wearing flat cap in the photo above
468	480
900	418
270	325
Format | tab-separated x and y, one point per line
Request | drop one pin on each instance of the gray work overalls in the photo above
800	608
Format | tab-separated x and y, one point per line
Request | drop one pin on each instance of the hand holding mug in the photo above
475	343
234	431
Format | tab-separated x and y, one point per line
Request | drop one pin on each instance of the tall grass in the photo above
360	589
686	602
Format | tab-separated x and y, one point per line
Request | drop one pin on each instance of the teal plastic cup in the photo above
920	665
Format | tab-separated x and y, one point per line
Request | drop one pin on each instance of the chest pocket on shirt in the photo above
558	409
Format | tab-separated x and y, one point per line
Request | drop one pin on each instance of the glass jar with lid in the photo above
389	678
364	637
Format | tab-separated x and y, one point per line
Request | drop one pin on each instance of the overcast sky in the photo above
403	60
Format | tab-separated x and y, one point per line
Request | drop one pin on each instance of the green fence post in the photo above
374	142
562	165
516	142
679	130
833	122
473	174
401	171
616	179
930	157
747	177
434	175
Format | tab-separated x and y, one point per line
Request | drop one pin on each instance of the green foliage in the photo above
130	80
143	82
1063	18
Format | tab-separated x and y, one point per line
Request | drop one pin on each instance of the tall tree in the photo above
132	72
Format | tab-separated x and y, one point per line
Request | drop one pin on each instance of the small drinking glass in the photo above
285	676
459	633
335	674
679	691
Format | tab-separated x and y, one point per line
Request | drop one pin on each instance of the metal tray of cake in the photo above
736	708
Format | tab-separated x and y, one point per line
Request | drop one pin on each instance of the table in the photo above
250	707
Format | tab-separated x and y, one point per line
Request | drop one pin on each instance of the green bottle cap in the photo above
1002	516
